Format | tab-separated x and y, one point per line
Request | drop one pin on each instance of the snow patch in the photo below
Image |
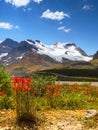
20	57
2	55
60	50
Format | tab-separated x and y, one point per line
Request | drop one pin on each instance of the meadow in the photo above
37	93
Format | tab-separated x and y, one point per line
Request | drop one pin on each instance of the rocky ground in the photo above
52	120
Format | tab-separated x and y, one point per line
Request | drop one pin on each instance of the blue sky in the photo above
51	21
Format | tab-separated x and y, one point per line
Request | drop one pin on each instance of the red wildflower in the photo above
58	87
56	94
17	87
71	88
84	92
16	80
26	89
88	89
2	93
76	85
22	84
48	91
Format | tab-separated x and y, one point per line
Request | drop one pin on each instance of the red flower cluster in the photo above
22	84
73	88
87	90
2	93
53	90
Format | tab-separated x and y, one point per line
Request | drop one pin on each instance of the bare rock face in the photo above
95	55
7	45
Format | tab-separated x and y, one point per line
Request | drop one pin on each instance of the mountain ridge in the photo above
58	53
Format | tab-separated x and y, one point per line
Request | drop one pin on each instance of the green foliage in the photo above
40	82
5	89
48	95
41	103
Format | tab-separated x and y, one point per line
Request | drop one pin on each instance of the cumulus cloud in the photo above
54	15
9	26
62	28
18	3
38	1
87	7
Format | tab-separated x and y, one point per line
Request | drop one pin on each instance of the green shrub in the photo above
40	82
5	89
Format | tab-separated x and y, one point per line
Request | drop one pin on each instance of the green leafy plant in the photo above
5	89
40	82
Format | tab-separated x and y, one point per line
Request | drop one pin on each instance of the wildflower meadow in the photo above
30	94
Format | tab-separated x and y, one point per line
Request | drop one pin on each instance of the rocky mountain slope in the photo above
7	45
95	55
35	52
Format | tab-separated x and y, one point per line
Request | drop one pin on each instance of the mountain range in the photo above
33	55
38	53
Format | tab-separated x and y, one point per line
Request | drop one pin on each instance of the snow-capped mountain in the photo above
60	51
12	51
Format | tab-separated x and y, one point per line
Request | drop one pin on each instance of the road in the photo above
73	82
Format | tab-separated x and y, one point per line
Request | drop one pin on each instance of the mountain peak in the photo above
58	45
7	45
58	51
8	39
9	42
37	41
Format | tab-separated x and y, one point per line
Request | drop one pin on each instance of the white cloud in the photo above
67	30
18	3
17	27
62	28
54	15
38	1
9	26
28	9
6	25
87	7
